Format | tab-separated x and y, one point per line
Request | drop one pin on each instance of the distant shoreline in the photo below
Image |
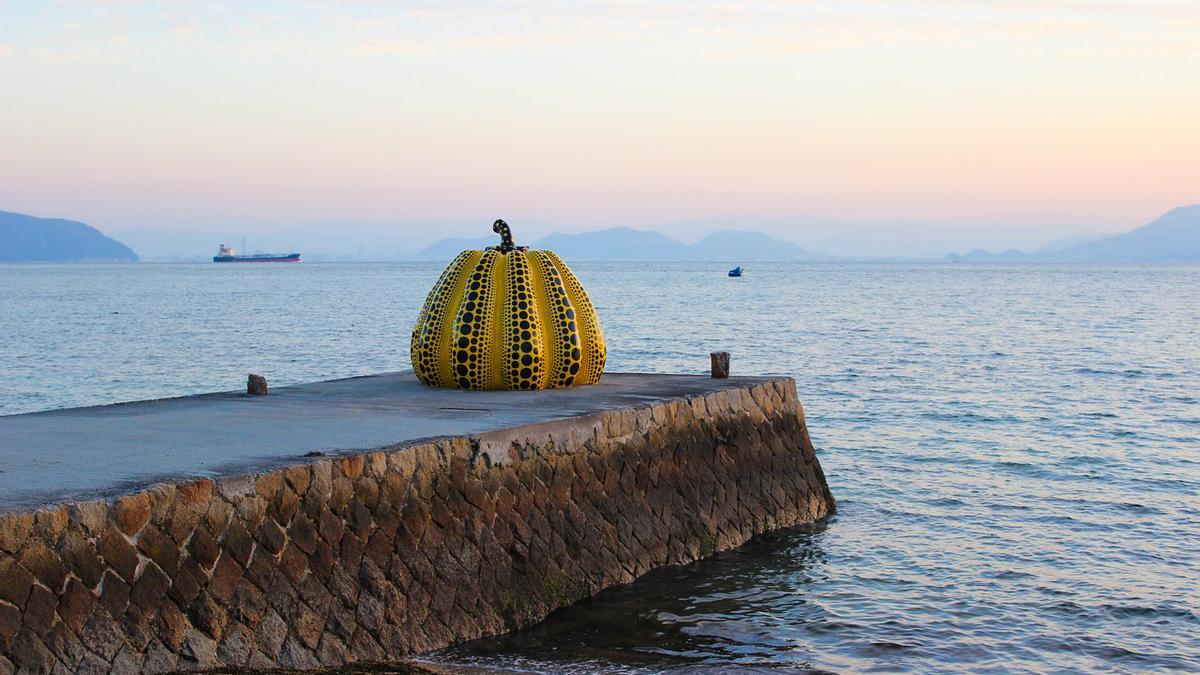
849	261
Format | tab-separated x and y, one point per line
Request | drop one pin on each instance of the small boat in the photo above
226	254
735	272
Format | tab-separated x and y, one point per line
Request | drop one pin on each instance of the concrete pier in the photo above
366	519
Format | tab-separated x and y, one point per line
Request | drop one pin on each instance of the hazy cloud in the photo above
965	112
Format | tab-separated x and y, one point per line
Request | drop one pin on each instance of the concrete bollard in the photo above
256	385
720	364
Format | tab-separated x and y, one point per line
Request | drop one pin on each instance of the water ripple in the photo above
1013	448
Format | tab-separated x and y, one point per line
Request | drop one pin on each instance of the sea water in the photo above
1015	450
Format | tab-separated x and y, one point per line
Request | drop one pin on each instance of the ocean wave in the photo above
1037	515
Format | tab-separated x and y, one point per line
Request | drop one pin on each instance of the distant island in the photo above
1173	237
625	244
31	239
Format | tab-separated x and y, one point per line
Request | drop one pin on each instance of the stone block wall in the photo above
375	556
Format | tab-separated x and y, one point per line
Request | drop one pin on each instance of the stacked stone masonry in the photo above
372	557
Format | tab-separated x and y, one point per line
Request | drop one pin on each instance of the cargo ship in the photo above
226	254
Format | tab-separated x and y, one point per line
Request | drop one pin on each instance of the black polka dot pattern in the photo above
470	353
432	324
561	324
595	352
508	319
523	329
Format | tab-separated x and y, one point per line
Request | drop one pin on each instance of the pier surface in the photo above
364	520
100	451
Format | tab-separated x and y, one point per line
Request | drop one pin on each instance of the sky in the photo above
855	127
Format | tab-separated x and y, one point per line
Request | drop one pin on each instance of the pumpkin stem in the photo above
506	241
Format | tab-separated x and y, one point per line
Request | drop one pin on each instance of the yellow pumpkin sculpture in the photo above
507	318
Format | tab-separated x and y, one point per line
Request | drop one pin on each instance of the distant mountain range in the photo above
1071	242
29	239
1174	237
628	244
446	249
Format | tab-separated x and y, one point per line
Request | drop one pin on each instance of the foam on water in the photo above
1014	449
